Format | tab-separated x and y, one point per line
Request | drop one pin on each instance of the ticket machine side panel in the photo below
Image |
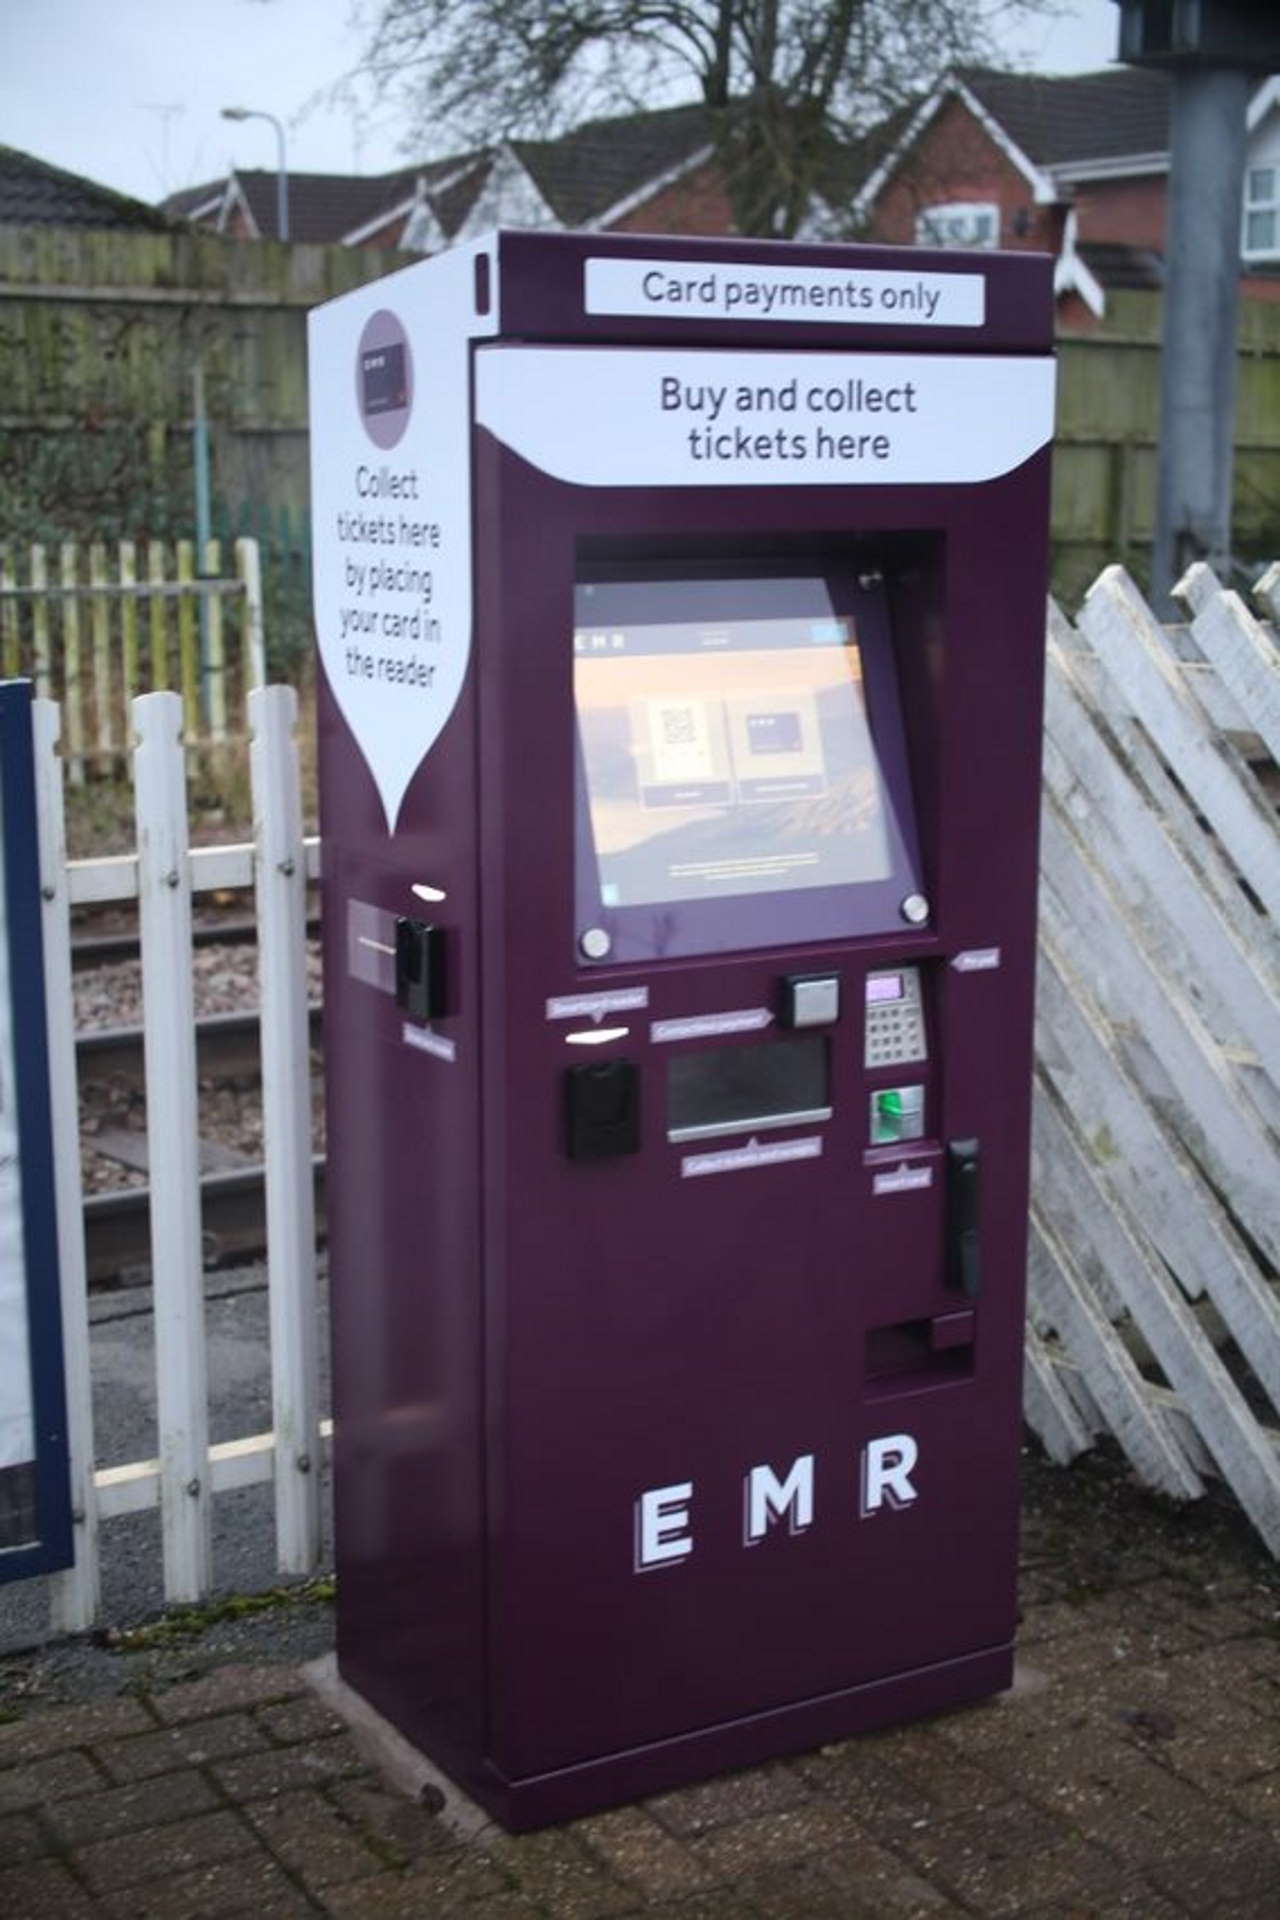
404	1239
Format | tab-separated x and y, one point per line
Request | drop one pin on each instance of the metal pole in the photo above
1198	363
282	181
204	528
282	167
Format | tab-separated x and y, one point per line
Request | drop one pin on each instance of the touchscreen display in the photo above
726	756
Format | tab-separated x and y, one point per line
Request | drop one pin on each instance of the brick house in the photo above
1077	166
639	172
634	173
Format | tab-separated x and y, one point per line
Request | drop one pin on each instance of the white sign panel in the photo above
707	290
977	960
704	1026
391	506
579	1006
774	1153
428	1042
904	1180
650	417
17	1430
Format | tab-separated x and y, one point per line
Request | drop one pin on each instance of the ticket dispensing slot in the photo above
920	1352
742	1089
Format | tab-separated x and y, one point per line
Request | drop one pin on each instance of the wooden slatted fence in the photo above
1155	1233
94	626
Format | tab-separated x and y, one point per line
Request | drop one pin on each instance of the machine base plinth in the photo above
545	1799
620	1777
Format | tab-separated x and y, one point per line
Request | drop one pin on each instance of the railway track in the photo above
122	943
232	1188
233	1212
227	1047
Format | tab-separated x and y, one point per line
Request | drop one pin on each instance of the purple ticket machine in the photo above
680	606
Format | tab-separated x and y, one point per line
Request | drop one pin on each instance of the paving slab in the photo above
1132	1773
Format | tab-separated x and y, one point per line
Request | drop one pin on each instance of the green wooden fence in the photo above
1104	492
94	626
100	333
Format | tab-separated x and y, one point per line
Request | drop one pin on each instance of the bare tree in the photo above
788	85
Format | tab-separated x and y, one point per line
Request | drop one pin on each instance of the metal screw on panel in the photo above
914	909
171	878
595	943
304	1463
193	1488
286	868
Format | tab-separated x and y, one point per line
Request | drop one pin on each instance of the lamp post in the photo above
282	172
1214	52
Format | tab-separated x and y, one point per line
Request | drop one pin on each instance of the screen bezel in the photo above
739	922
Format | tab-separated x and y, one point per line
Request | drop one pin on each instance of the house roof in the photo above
322	206
1116	266
453	200
181	205
581	176
587	171
1060	119
33	193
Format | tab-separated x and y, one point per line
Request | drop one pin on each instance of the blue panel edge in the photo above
53	1549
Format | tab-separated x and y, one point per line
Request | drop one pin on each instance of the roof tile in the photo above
1057	119
33	193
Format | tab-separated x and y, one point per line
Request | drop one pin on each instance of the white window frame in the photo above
949	213
1270	164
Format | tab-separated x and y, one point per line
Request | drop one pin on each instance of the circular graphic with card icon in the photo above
384	378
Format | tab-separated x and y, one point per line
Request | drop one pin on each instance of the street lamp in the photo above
282	174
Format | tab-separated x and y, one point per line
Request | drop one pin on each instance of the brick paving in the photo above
1135	1771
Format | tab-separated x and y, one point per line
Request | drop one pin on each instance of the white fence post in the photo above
1047	1407
1244	653
280	879
1130	644
74	1595
164	906
253	647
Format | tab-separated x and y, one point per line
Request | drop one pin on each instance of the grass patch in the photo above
179	1624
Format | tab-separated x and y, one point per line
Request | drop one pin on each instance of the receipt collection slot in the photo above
679	762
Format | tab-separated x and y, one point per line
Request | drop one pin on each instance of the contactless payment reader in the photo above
680	608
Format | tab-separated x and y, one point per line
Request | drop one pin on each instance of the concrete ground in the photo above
1135	1770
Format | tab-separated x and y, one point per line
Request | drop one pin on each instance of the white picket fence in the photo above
1156	1217
1155	1233
162	876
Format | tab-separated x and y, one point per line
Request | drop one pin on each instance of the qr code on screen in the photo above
679	728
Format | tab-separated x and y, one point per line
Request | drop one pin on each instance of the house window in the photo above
1262	213
959	223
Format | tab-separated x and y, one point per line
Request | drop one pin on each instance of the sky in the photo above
129	92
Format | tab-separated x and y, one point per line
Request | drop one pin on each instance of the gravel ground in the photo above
225	981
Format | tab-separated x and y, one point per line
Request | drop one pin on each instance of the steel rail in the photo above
233	1217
